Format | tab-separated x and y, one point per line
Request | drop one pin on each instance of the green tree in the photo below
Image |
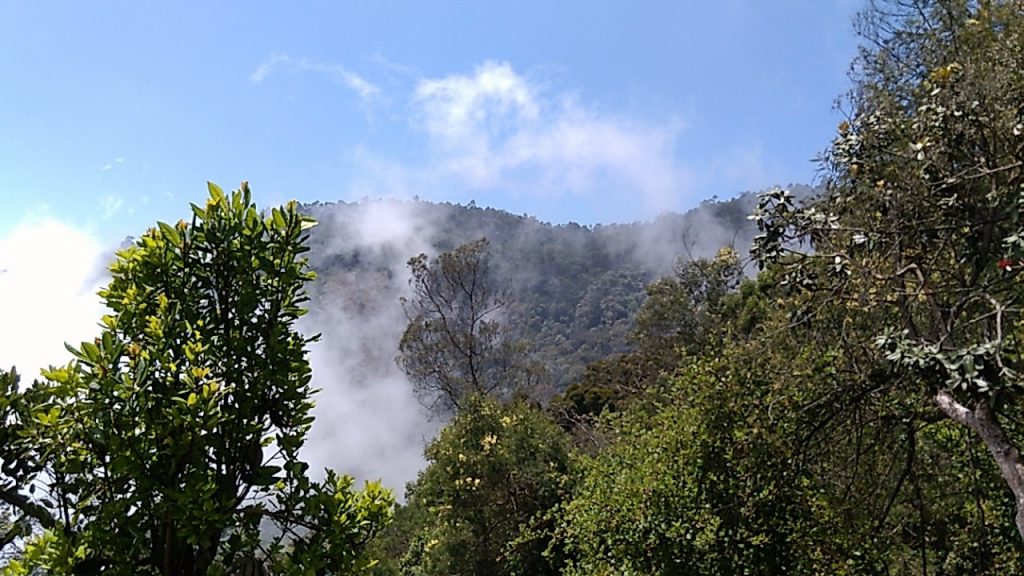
921	217
493	476
388	548
781	427
681	311
694	484
455	345
899	489
18	514
681	316
170	444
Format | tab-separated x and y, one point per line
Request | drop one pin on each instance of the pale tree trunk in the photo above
982	421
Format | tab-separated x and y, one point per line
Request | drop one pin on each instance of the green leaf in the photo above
170	233
74	351
201	213
266	476
278	218
91	351
216	193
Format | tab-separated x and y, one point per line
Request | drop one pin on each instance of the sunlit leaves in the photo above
494	475
184	418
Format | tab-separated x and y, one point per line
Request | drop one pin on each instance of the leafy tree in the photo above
922	213
455	345
693	485
493	476
18	514
799	423
899	489
681	316
681	311
170	445
389	547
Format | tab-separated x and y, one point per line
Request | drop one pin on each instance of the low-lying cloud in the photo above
50	272
369	421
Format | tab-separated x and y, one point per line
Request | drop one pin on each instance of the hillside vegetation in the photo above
573	291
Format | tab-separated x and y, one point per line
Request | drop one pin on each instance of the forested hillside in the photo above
573	291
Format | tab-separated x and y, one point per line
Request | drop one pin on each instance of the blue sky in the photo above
114	114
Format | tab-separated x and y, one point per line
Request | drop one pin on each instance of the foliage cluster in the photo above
170	444
495	473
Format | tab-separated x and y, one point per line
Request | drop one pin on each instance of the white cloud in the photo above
333	72
458	107
496	129
51	272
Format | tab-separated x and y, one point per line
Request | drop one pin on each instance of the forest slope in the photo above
573	290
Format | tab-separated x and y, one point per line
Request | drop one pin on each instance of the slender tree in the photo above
455	344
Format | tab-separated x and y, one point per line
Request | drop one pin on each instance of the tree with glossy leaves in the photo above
170	444
493	480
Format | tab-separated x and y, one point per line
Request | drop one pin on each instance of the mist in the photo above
369	422
50	272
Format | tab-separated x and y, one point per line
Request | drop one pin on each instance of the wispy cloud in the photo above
118	160
495	129
111	204
267	67
743	168
333	72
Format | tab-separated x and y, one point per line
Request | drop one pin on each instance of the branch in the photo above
28	507
982	421
955	410
12	533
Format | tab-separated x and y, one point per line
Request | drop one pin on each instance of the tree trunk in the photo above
983	422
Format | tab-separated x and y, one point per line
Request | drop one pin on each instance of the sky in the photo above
114	114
